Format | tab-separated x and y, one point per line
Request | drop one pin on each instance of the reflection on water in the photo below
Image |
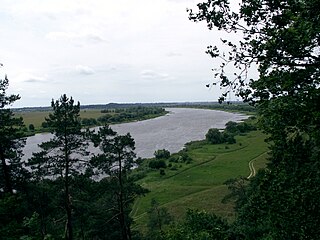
171	131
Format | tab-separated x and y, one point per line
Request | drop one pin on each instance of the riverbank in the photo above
35	120
171	131
199	183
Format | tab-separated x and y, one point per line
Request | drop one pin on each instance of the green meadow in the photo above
200	184
38	117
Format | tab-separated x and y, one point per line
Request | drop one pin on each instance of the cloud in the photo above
150	74
28	77
71	36
84	70
173	54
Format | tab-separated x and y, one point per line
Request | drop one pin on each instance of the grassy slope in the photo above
199	185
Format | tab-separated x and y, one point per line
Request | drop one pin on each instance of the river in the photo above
171	132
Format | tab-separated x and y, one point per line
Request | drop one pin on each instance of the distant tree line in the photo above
120	115
230	106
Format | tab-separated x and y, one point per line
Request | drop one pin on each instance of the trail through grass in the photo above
200	185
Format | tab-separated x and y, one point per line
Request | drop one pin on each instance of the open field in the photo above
37	117
200	184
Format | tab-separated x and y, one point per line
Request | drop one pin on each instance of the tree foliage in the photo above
282	39
162	154
63	155
116	160
199	225
158	218
11	142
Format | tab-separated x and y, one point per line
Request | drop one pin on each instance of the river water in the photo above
171	132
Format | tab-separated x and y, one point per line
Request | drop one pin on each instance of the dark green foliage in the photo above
228	137
12	212
31	127
157	163
184	157
116	160
162	172
44	125
199	225
119	115
158	219
282	37
104	119
214	136
63	155
238	128
89	122
12	172
231	127
162	153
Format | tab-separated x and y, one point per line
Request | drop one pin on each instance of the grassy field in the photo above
200	184
37	117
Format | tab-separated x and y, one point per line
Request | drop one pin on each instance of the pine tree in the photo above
64	156
11	142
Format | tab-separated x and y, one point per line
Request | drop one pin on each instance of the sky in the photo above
102	51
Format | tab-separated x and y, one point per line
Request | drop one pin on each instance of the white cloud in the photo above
84	70
71	36
29	77
142	44
174	54
150	74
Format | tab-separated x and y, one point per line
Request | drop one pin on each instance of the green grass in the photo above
37	117
200	185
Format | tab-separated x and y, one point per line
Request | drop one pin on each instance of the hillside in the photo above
200	184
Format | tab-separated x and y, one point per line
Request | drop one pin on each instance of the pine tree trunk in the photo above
69	232
6	173
124	228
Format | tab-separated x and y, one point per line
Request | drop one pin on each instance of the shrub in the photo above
185	158
231	127
228	138
157	163
162	172
44	125
173	159
214	136
31	127
162	153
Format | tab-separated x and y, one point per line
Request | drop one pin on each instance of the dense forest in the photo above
64	192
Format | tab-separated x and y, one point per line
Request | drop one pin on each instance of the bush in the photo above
89	121
162	172
228	138
173	159
231	127
44	125
214	136
185	158
174	168
104	118
157	163
163	153
31	127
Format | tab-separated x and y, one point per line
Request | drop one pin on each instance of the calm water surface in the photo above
170	132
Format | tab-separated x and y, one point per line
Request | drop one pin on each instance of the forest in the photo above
64	192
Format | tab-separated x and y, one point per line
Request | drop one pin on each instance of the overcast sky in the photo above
103	51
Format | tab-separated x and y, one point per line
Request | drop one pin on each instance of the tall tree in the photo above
282	39
63	157
116	160
11	141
